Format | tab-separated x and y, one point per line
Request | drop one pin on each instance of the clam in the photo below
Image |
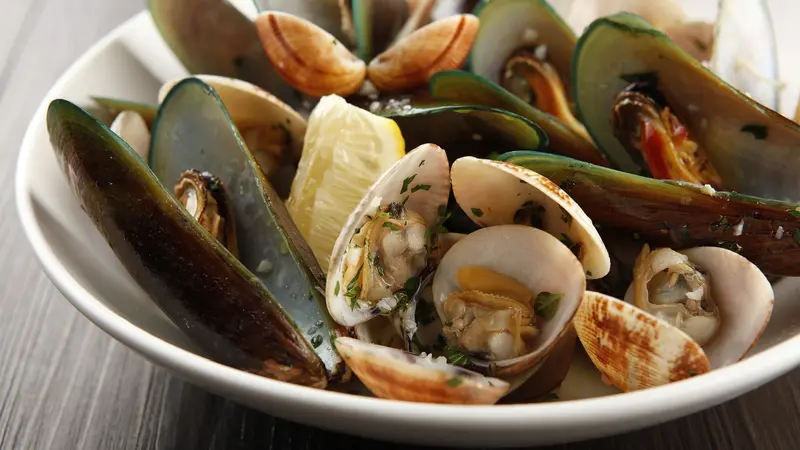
675	214
655	110
132	128
685	313
397	375
271	129
315	62
187	271
385	244
463	87
715	296
193	130
510	194
633	349
506	294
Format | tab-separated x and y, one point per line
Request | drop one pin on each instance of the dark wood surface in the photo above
64	384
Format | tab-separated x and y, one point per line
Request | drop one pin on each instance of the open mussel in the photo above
205	235
657	111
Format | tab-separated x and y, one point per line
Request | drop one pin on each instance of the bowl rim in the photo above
694	393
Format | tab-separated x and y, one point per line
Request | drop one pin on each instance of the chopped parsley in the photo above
353	290
794	212
420	187
685	231
692	372
546	304
406	182
567	241
758	131
421	163
722	222
456	356
477	212
448	324
734	247
336	290
390	226
454	382
316	341
530	213
588	273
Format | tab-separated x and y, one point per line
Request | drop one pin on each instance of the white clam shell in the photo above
535	259
744	297
503	188
428	165
397	375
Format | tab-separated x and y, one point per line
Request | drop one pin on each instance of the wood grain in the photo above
64	384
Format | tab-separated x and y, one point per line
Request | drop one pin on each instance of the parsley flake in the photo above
685	231
390	226
421	163
420	187
565	217
406	182
456	356
376	263
546	304
336	290
566	240
794	212
454	382
477	212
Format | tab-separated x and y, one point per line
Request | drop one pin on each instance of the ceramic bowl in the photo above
132	62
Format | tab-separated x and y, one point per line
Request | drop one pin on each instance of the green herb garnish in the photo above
758	131
546	304
448	324
406	182
421	163
453	382
565	217
353	290
685	231
456	356
420	187
567	241
734	247
477	212
376	263
390	226
336	290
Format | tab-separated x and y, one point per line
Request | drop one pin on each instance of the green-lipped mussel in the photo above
263	311
655	110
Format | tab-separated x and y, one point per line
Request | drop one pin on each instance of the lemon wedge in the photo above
346	149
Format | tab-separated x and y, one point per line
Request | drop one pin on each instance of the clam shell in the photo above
535	259
132	128
744	297
428	165
397	375
633	349
504	188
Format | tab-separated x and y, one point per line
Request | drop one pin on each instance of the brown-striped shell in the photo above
633	349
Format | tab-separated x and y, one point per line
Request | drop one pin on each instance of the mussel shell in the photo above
198	284
325	14
376	23
193	130
466	88
213	37
754	149
464	130
676	214
503	30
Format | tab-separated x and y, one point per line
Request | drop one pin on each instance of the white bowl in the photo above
131	63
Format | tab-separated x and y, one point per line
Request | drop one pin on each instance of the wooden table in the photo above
65	384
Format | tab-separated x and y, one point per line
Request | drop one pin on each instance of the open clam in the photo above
506	294
655	110
687	312
387	238
181	258
510	194
675	214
